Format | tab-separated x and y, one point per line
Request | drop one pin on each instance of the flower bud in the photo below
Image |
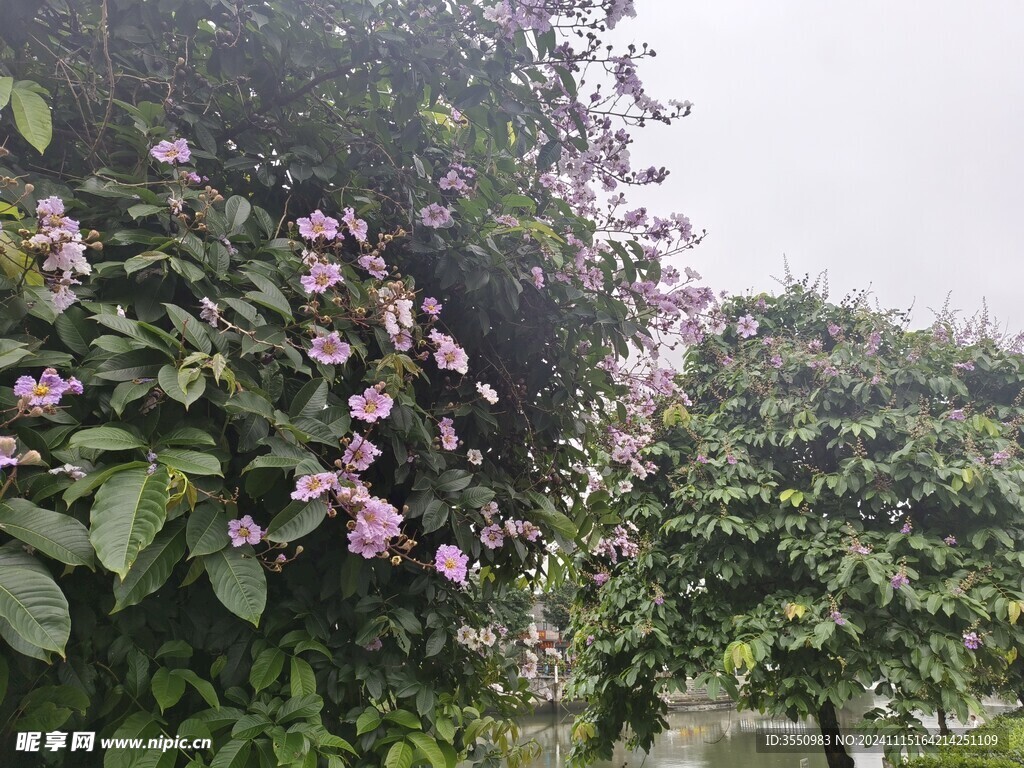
30	457
29	188
351	525
396	560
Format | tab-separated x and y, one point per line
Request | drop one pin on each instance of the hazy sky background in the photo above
881	141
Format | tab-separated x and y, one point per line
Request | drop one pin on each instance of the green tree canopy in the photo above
839	511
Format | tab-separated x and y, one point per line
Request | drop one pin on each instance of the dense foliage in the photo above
309	308
1007	731
839	511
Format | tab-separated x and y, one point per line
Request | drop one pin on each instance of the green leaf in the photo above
105	439
296	520
189	462
266	668
203	687
207	530
32	117
167	688
301	676
61	537
147	258
310	400
428	746
138	212
239	583
6	84
189	436
250	726
82	488
32	602
171	384
368	721
399	756
404	718
301	707
128	511
237	211
152	567
434	516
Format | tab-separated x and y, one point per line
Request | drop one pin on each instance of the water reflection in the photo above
716	739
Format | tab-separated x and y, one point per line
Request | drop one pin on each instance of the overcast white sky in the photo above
882	141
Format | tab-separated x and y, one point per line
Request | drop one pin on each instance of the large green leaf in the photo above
31	116
185	386
399	756
266	668
296	520
152	567
239	583
60	536
6	84
189	462
207	530
167	688
31	601
105	439
128	511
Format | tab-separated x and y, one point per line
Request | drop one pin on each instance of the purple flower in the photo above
731	459
451	563
8	445
972	641
899	581
449	440
330	349
376	524
837	617
317	226
435	215
950	540
210	312
538	277
321	277
374	645
431	306
834	330
999	458
357	227
590	639
659	600
48	390
907	528
601	578
371	405
360	453
968	366
172	152
314	486
492	536
957	415
746	327
487	392
244	531
702	459
775	361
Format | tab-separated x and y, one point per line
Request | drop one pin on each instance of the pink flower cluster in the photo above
172	152
371	406
320	227
619	544
244	531
360	454
330	349
449	440
398	319
48	390
493	535
448	354
58	239
322	276
435	216
451	563
376	523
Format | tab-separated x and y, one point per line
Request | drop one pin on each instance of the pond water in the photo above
715	739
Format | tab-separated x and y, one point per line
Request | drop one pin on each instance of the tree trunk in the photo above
835	752
943	726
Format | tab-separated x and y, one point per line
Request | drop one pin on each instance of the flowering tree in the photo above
309	309
840	512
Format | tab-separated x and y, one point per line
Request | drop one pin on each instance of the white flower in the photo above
488	637
466	635
475	457
487	392
551	651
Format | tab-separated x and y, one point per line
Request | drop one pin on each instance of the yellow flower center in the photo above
449	563
243	532
41	390
314	484
370	407
323	279
318	227
329	348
